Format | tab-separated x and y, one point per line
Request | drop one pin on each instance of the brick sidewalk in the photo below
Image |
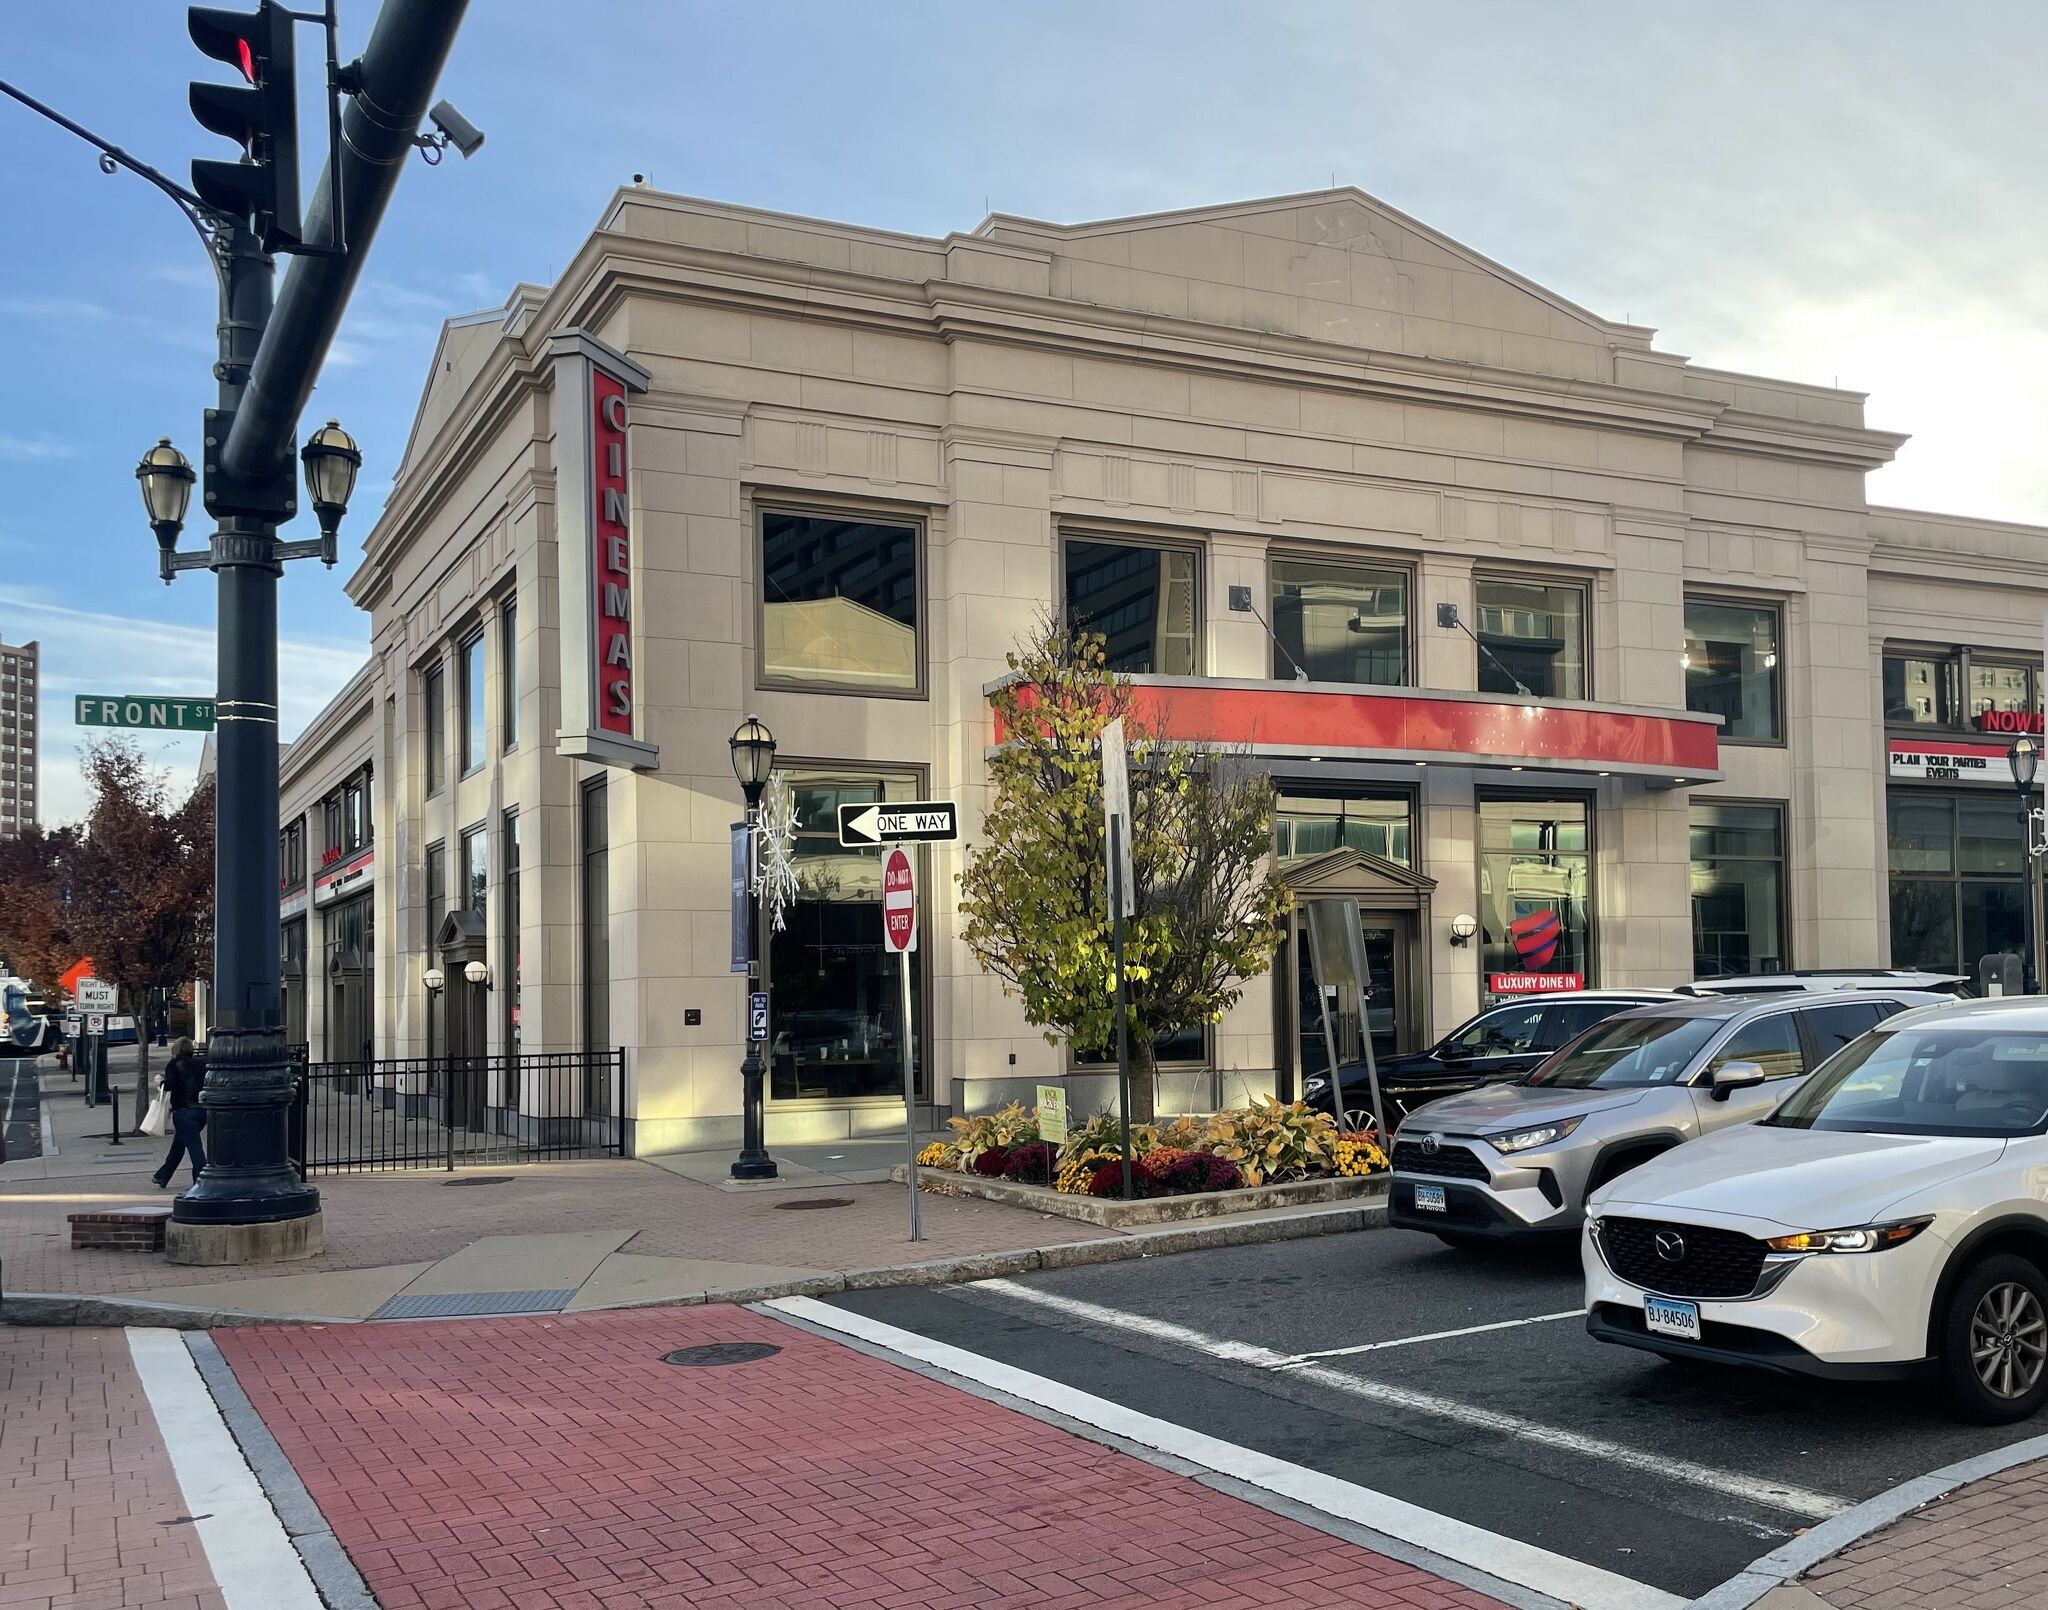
91	1517
557	1464
1984	1547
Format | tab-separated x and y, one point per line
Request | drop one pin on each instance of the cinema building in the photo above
1533	623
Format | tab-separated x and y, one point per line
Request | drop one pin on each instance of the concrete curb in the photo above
1197	1208
1792	1560
59	1308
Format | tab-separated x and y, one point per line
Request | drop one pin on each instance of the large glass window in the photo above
1993	686
1141	599
1535	893
472	653
476	870
835	1023
1309	822
434	733
508	659
1955	879
1532	637
508	967
1738	890
839	602
1731	667
1340	623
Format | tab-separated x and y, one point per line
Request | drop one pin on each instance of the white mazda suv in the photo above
1889	1220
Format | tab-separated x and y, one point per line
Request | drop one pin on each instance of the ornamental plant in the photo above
1033	1163
1034	900
1104	1134
1008	1127
1358	1153
1275	1140
937	1154
991	1161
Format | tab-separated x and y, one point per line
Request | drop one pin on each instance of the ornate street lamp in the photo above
166	478
332	460
753	758
2024	757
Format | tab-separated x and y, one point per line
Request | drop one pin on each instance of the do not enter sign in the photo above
899	903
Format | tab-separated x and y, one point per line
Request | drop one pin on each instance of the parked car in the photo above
1819	980
1515	1160
1886	1221
1503	1042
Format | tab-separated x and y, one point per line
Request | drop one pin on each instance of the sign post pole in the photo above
1116	812
899	933
909	1094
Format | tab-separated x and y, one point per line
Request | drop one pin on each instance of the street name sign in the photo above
930	821
899	903
95	995
145	711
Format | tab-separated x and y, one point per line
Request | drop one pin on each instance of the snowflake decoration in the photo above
775	877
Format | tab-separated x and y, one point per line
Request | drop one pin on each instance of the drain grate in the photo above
814	1202
470	1304
480	1179
716	1353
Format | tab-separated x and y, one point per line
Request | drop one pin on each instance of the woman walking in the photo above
184	1078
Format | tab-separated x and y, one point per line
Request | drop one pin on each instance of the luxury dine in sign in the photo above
594	539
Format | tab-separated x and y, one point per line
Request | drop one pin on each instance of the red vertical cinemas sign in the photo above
597	551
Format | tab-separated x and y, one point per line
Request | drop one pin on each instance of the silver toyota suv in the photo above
1520	1159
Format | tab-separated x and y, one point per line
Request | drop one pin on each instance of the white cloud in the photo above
33	449
87	652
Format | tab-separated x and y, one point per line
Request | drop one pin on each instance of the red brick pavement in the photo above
91	1516
1984	1547
555	1464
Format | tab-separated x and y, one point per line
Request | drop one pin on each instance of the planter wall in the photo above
1114	1215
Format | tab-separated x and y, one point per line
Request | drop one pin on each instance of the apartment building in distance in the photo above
19	684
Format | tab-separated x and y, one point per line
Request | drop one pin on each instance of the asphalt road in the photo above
1672	1475
21	1107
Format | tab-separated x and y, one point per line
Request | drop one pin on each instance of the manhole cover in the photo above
814	1202
721	1353
482	1179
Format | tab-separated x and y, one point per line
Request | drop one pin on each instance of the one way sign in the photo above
930	821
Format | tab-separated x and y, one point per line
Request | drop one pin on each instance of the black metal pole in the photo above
753	1162
1123	1016
2029	984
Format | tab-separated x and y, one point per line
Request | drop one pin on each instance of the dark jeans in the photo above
188	1125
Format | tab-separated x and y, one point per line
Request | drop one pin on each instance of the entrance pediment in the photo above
1356	874
461	939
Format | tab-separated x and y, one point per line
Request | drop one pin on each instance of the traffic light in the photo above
263	187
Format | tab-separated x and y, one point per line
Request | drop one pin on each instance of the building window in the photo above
1535	894
1955	879
434	695
2007	689
508	657
1315	821
839	602
1340	623
597	924
334	840
355	812
1963	689
437	912
476	870
291	858
291	973
1142	599
1738	890
1532	637
472	734
1731	667
835	1024
510	955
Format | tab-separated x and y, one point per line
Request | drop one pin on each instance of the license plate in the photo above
1430	1199
1668	1318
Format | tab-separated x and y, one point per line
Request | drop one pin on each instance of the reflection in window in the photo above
2001	687
472	656
835	1019
1340	623
1738	890
1731	667
838	601
476	867
1140	600
1532	634
1534	888
1955	880
434	737
1312	824
1919	690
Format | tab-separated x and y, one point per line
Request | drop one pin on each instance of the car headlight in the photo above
1522	1140
1315	1086
1864	1238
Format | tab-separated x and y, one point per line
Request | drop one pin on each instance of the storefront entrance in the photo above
1393	913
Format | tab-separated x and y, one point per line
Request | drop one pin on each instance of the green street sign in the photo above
147	711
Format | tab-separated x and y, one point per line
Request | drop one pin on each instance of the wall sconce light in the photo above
478	973
433	980
1463	927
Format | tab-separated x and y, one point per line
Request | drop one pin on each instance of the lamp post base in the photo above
754	1168
215	1244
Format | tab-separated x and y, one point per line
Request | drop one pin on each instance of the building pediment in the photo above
1351	873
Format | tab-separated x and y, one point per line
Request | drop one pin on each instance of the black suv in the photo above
1500	1045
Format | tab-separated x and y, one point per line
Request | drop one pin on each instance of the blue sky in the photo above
1846	191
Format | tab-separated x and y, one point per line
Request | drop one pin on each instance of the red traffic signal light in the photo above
263	187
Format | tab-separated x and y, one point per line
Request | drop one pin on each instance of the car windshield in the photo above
1506	1030
1625	1052
1931	1081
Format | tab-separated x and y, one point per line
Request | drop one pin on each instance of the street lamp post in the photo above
753	758
2024	757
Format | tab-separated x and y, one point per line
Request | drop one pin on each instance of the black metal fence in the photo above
436	1112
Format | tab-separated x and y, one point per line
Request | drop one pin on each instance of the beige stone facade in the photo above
1304	380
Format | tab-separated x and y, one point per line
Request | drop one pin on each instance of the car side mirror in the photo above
1456	1053
1733	1076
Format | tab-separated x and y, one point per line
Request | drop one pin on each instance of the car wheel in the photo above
1356	1118
1994	1352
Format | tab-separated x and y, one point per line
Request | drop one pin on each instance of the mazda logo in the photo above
1430	1145
1670	1246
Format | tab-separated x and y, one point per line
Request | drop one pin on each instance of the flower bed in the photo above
1269	1143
